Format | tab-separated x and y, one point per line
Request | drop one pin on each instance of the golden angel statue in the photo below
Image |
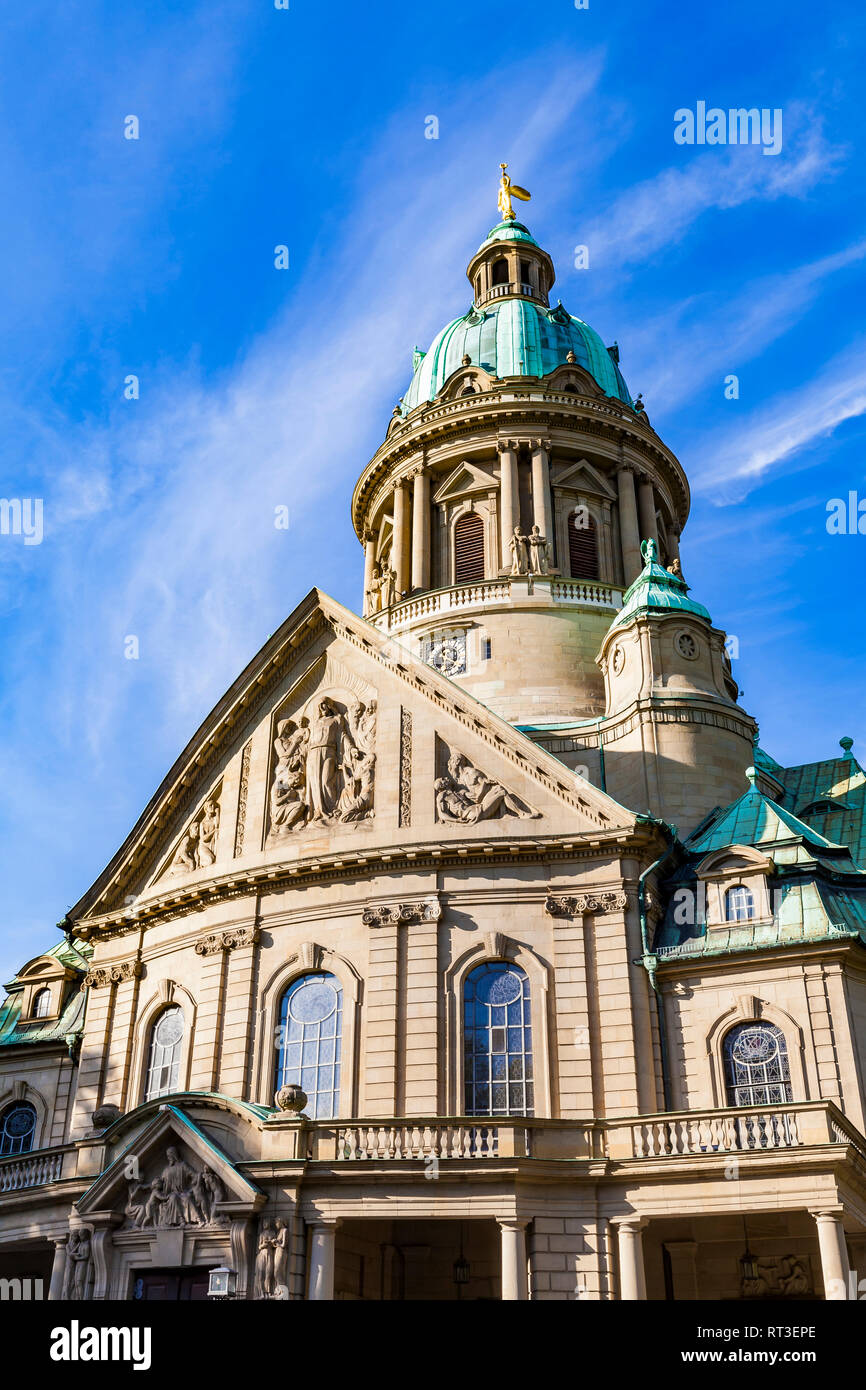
507	191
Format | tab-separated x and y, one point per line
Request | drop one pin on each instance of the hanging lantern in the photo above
461	1271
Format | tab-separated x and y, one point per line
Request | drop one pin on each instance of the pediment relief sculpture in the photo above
465	795
325	766
180	1195
198	843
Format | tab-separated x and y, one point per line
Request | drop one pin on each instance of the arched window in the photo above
311	1030
582	545
41	1003
163	1062
756	1065
500	272
468	549
17	1129
739	904
497	1041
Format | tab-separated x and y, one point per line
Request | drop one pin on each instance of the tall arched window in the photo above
500	272
582	545
468	549
17	1128
41	1003
163	1062
756	1065
497	1041
739	904
311	1030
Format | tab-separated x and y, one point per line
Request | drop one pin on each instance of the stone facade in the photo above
389	817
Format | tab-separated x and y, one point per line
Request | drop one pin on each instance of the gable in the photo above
581	477
330	744
466	479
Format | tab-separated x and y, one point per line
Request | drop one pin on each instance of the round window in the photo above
618	660
686	645
313	1002
169	1029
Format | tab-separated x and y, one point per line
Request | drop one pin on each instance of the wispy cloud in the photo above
660	211
787	426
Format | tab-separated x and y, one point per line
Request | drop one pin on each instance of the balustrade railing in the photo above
31	1170
485	592
423	1140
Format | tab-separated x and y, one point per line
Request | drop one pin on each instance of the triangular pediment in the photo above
170	1175
581	477
326	746
466	479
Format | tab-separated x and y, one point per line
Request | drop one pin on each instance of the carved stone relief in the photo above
325	766
465	795
243	794
573	905
395	914
227	940
111	974
180	1195
198	843
405	807
779	1276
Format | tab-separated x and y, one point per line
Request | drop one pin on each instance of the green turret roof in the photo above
756	820
656	589
509	231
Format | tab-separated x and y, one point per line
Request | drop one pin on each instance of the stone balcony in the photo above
509	591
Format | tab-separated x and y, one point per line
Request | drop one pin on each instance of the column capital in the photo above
827	1214
513	1223
626	467
537	443
629	1223
508	446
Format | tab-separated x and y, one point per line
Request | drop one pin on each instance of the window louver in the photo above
583	550
469	549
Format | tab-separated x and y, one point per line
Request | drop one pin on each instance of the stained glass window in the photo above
739	904
163	1063
497	1041
17	1129
309	1040
756	1065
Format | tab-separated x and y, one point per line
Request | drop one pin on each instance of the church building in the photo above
473	948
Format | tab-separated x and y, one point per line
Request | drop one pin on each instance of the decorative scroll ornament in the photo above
325	768
466	795
111	974
227	940
179	1196
576	904
198	844
397	914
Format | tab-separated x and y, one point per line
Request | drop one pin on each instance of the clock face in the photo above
447	654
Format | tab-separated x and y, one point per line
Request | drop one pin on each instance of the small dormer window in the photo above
500	272
41	1003
739	904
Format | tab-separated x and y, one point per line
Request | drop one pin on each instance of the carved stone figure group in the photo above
467	795
180	1196
78	1264
382	592
197	848
326	767
530	554
272	1260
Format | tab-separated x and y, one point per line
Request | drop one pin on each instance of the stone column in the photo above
322	1248
400	551
628	527
514	1279
632	1283
509	498
646	503
834	1254
420	529
541	508
674	544
58	1270
369	562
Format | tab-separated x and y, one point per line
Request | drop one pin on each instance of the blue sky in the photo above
262	388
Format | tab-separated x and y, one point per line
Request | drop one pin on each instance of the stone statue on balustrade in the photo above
539	551
518	548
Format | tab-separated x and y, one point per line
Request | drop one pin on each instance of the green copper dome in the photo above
656	588
513	337
509	231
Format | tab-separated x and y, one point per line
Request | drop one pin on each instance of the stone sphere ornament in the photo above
291	1098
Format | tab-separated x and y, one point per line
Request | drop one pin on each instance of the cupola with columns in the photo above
502	516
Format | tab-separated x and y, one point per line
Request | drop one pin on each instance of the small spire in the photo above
507	191
751	776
